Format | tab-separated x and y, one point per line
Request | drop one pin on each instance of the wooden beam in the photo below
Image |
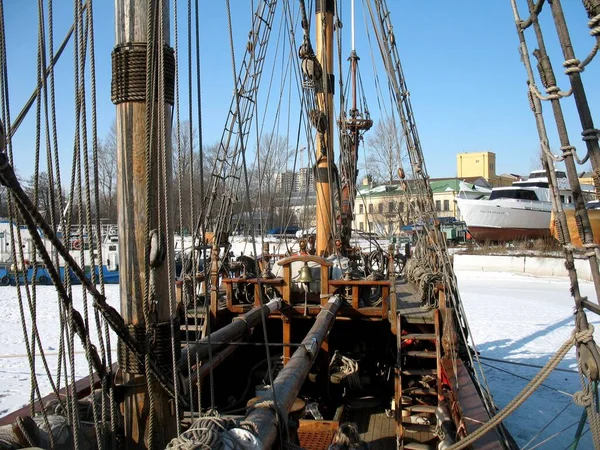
131	18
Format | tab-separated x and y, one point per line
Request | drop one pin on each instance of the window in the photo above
391	207
380	208
370	226
371	208
518	194
438	205
361	226
446	205
361	209
401	207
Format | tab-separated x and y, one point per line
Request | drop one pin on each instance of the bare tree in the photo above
384	147
274	154
45	192
107	174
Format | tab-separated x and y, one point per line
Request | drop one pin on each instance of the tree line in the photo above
265	202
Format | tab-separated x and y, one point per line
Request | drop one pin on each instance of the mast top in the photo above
352	20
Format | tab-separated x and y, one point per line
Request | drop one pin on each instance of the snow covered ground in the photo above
15	374
524	319
513	318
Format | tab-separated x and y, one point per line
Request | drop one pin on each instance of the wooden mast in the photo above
356	123
128	92
324	145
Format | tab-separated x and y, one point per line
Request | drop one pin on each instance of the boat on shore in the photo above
517	212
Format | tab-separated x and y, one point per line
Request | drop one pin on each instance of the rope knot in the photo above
585	336
583	398
594	26
572	66
567	150
591	134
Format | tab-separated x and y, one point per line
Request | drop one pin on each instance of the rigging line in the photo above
581	322
245	173
166	150
550	84
70	329
12	210
554	435
305	99
373	64
576	440
526	379
514	363
544	428
176	106
149	135
202	194
33	298
100	324
83	45
184	299
413	142
192	216
56	180
49	70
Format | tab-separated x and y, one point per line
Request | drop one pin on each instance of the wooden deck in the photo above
408	303
375	428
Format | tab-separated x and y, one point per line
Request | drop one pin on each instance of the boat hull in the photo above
9	277
506	219
507	234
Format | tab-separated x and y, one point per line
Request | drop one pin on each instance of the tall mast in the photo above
354	124
324	147
129	95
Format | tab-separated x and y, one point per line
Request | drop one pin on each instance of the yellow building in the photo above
480	164
476	164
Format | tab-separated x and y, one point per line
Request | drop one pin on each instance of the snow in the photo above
14	365
517	318
513	318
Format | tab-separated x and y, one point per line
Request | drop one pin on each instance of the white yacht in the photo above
520	211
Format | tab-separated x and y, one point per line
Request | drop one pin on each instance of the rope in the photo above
210	433
149	128
520	398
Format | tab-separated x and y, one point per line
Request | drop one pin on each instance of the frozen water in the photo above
517	318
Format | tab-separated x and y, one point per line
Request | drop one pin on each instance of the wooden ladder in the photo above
195	326
417	382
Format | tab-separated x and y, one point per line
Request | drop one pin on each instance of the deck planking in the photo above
375	428
408	303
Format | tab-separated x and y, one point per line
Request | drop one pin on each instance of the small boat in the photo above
520	211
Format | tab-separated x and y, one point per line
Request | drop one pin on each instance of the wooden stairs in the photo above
417	381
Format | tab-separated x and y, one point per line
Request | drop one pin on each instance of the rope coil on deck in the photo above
214	432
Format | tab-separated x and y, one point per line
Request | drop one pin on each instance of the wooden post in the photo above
131	17
324	10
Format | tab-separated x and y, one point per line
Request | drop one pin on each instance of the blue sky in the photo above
460	59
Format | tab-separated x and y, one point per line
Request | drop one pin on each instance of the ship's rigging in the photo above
158	385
